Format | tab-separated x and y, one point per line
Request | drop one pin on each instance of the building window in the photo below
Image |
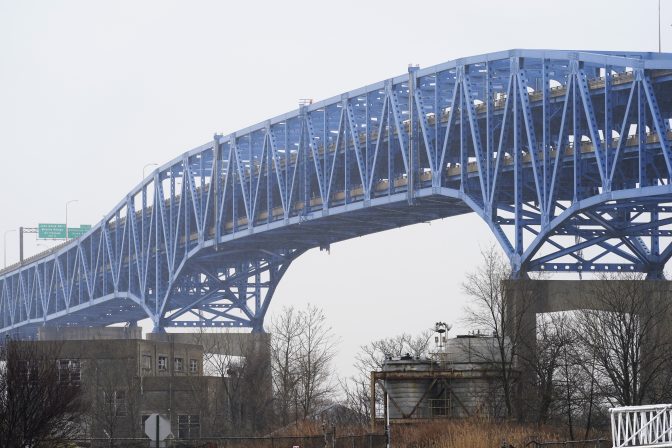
193	366
188	427
115	402
178	364
69	372
162	365
147	362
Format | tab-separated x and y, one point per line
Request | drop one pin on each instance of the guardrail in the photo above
642	426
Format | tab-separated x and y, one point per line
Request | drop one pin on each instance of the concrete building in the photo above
126	378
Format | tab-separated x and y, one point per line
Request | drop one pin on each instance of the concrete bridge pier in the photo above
651	299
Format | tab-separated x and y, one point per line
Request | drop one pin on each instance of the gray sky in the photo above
91	91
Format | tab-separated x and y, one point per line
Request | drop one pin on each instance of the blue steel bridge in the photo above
564	154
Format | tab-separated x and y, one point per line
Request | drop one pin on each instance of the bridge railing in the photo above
642	426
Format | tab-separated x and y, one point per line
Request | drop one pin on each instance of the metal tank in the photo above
473	350
475	388
408	397
461	379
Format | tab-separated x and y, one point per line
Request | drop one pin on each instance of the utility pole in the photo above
22	232
66	216
147	166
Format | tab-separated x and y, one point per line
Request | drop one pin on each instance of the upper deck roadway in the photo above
564	154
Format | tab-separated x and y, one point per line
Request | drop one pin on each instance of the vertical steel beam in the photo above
412	136
464	155
215	185
489	139
608	125
641	135
517	168
576	131
546	142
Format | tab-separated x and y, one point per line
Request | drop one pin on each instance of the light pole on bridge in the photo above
147	166
4	245
66	216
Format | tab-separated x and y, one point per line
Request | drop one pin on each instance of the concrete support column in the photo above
524	299
655	360
520	305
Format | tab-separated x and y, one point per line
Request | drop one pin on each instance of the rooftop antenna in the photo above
441	328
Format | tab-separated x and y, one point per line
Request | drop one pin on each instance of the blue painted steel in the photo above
564	154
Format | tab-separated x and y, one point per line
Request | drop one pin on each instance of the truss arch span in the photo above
564	154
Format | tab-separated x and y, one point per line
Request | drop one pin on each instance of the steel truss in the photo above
564	154
237	295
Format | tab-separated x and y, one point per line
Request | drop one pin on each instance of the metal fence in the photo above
591	443
320	441
361	441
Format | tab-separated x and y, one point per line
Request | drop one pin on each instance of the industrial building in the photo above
460	379
126	378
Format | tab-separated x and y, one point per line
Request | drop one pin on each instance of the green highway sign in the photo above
76	232
51	231
57	231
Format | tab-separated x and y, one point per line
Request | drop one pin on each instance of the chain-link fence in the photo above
361	441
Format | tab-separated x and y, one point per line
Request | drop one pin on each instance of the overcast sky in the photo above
92	91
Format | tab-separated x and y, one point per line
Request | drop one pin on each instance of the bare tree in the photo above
242	364
357	388
502	308
257	389
38	406
222	359
286	329
112	393
302	349
555	336
357	397
372	355
317	348
566	377
627	335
